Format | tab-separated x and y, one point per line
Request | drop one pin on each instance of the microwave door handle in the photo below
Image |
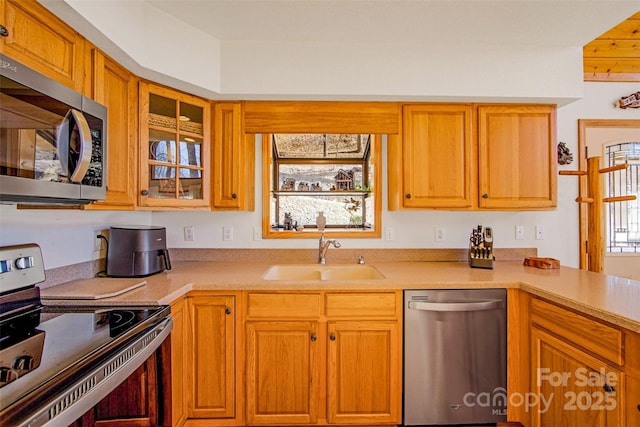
85	149
455	306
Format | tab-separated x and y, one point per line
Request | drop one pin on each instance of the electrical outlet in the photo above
539	232
519	232
440	234
257	233
189	233
390	234
227	233
97	241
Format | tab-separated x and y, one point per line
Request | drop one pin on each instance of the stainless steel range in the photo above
58	362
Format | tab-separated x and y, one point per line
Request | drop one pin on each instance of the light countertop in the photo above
610	298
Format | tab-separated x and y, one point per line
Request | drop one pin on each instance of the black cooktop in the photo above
70	339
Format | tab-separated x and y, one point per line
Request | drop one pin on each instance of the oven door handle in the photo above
455	306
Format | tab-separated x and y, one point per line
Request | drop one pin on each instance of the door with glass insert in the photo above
175	143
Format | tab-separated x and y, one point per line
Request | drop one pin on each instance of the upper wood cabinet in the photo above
438	163
233	159
175	146
40	40
459	156
115	87
517	156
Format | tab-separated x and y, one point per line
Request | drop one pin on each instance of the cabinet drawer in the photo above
379	304
282	305
598	338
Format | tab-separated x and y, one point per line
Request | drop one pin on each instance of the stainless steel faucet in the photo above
323	247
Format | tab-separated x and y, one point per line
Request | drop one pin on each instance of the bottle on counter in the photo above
321	221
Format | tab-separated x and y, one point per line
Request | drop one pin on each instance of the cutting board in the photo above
91	289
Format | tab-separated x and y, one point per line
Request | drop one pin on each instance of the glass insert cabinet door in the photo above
174	160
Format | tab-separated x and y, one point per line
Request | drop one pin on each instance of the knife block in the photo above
480	261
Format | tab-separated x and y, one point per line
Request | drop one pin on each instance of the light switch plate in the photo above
227	233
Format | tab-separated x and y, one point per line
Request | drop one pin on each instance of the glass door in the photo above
175	158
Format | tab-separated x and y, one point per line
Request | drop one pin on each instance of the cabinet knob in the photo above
3	31
408	196
332	337
608	388
145	192
313	337
485	196
234	196
227	311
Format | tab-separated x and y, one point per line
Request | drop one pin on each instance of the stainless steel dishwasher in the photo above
455	370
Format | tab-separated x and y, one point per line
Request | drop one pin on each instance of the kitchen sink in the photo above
317	272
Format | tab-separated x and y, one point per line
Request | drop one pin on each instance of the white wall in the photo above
67	237
158	46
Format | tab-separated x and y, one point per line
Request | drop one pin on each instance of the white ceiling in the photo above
425	50
523	22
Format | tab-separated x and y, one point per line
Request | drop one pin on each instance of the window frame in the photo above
375	188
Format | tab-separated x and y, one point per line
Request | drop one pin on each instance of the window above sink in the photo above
336	174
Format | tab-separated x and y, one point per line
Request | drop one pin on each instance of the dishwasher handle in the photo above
455	306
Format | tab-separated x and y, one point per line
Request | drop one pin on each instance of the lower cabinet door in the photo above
282	372
364	372
572	388
212	353
633	402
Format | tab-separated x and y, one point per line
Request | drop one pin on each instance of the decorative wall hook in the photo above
631	101
564	155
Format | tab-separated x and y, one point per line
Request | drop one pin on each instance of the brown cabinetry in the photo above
330	357
115	87
517	156
179	362
460	156
362	372
233	159
632	368
438	156
282	372
576	390
211	357
40	40
175	148
582	370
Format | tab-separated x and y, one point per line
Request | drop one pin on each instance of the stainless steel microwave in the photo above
52	140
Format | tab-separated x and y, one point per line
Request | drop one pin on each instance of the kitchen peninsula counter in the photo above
609	298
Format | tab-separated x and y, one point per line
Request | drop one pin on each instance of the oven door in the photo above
85	356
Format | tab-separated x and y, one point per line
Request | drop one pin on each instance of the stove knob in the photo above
7	375
23	363
24	262
5	265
